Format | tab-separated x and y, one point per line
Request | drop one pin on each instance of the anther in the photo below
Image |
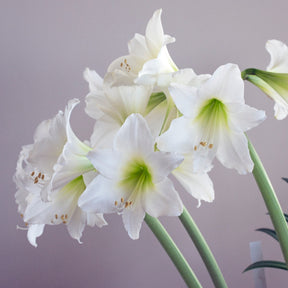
203	143
42	177
64	222
66	216
39	175
116	203
126	204
36	180
56	216
122	200
32	174
210	146
195	148
21	215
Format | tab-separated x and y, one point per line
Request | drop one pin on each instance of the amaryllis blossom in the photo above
274	81
133	178
54	168
110	106
214	120
148	55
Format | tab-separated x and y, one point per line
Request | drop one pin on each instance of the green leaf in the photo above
269	232
155	99
267	264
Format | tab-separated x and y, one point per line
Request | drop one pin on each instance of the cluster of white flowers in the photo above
154	123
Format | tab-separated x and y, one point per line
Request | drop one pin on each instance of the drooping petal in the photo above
133	220
96	219
76	224
233	152
198	185
34	231
279	56
164	200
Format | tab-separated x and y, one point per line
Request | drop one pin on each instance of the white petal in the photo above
34	231
199	186
106	162
225	84
244	117
164	200
96	219
94	80
279	56
134	136
233	152
99	196
178	138
185	98
137	46
104	132
133	220
76	224
162	164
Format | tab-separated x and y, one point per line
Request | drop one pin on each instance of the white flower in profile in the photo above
214	120
274	81
54	168
148	55
133	178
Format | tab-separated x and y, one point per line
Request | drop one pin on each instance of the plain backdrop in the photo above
44	48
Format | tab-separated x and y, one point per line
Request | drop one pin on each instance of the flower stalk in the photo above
173	252
203	249
271	201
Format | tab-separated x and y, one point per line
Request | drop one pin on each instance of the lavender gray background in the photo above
45	46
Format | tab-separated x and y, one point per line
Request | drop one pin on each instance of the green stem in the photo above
173	252
203	249
271	201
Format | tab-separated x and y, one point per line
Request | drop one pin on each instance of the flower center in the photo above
136	176
212	117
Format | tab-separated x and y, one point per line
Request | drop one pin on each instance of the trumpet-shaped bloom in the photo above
133	178
214	120
54	169
274	81
148	55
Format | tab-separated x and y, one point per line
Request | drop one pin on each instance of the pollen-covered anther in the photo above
195	148
33	173
122	200
204	144
21	215
125	65
56	216
210	146
116	203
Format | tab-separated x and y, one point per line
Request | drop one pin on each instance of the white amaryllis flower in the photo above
214	120
38	178
133	178
110	106
148	55
274	81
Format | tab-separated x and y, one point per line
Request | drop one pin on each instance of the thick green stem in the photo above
203	249
173	252
271	201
